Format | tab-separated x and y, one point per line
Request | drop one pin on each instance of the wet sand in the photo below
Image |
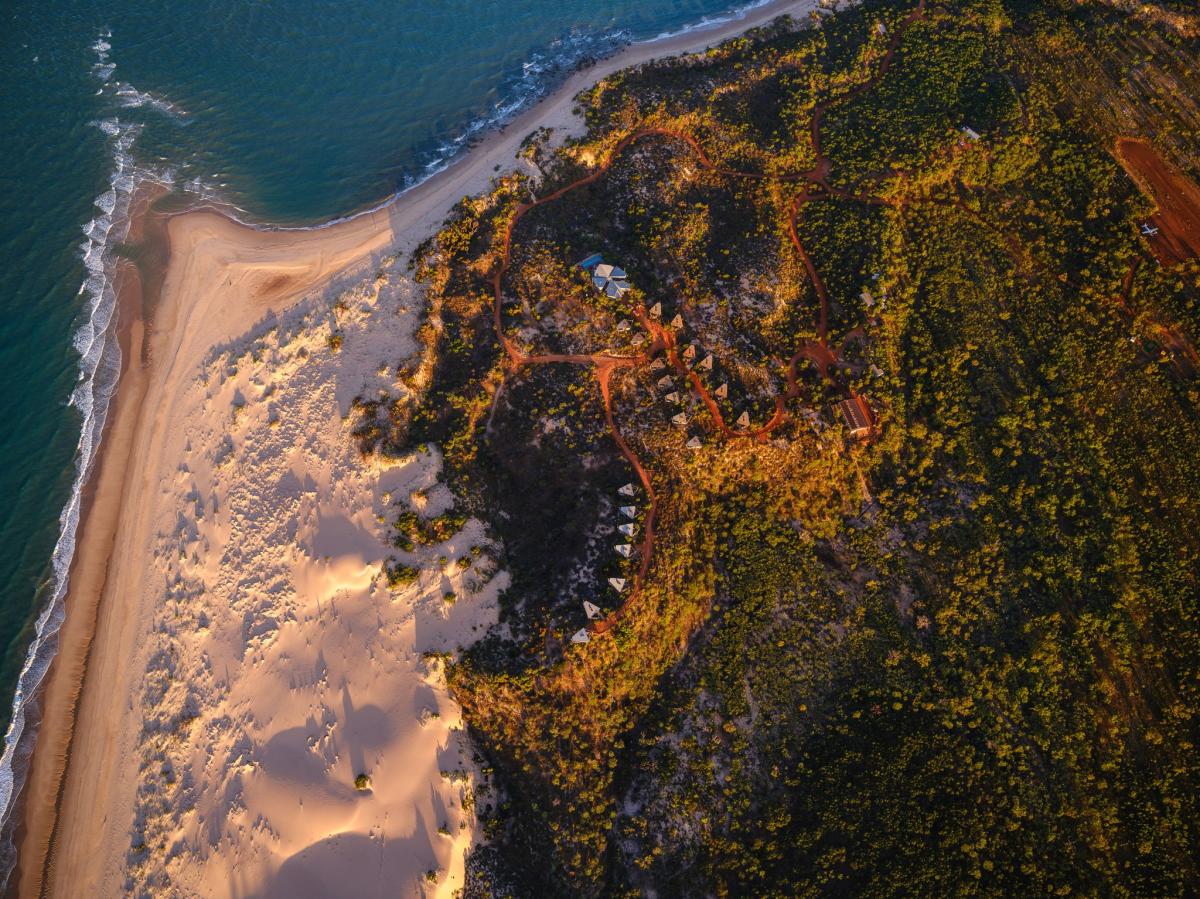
225	286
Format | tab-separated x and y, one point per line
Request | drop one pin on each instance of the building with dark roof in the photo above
857	416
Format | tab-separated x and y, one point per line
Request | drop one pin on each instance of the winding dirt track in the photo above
664	340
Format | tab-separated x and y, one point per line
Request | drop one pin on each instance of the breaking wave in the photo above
99	368
540	74
96	338
707	22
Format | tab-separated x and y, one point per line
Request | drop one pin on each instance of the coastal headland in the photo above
227	620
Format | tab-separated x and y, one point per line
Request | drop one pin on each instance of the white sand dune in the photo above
277	665
280	665
231	657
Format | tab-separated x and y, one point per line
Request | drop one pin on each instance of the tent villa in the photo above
617	583
665	381
657	364
707	362
623	325
694	443
677	322
628	529
580	636
627	490
857	416
679	419
656	310
591	610
624	549
629	511
722	391
610	280
672	397
690	352
743	420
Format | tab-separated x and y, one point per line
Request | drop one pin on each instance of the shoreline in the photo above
61	688
223	278
685	41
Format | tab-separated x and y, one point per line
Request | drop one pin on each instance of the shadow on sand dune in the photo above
353	864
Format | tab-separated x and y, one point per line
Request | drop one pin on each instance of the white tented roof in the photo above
618	583
665	381
656	310
694	443
629	511
624	549
606	271
627	490
679	419
591	610
610	280
677	321
672	397
707	362
580	636
744	420
657	364
722	391
628	529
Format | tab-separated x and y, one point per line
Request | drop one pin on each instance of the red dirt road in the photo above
664	339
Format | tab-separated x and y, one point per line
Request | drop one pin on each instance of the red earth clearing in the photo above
1177	197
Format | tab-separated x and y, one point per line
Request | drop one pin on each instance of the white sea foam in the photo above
708	22
100	355
129	96
95	341
540	74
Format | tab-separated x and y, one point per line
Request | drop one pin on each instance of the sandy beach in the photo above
232	657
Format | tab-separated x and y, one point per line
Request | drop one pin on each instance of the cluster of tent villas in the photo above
628	529
613	282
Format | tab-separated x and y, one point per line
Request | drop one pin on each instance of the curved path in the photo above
663	340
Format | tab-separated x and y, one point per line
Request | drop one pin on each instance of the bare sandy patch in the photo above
280	666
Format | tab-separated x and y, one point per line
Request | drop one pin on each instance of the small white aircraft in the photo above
1148	229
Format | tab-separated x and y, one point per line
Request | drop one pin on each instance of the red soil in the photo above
1176	196
827	360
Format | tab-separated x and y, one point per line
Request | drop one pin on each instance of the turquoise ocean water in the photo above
293	111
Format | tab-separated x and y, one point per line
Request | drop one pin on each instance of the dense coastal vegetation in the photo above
958	657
